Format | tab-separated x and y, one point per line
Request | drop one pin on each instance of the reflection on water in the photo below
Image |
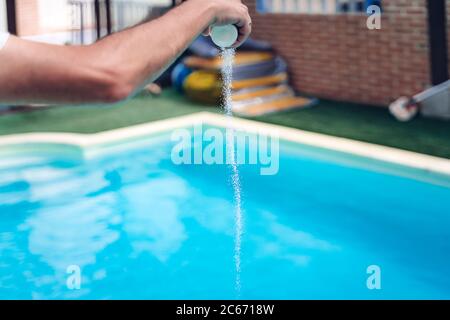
139	227
152	219
72	234
286	243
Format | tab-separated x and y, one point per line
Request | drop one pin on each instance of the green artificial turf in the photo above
353	121
370	124
96	118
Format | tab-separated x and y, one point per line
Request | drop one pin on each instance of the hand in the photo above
231	12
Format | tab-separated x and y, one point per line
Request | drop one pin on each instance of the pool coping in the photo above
88	142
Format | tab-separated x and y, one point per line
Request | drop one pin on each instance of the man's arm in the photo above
115	67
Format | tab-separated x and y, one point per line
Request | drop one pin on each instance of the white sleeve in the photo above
3	38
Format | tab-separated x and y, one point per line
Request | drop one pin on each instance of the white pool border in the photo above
88	142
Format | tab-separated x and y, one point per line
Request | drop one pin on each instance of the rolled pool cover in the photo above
179	74
260	92
260	81
215	63
275	65
272	104
251	70
204	47
203	86
206	86
246	65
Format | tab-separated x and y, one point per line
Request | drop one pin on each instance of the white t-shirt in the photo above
3	38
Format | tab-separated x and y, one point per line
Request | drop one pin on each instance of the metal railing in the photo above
83	21
93	19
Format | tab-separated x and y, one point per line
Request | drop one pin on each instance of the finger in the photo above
244	32
243	21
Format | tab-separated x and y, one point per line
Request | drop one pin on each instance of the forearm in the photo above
115	67
33	72
109	70
140	54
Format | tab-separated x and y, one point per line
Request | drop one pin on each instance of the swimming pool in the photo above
140	227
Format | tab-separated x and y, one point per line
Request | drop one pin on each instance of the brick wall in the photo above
337	57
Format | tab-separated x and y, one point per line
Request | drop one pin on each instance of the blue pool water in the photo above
140	227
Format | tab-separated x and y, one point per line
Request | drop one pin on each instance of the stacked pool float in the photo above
260	79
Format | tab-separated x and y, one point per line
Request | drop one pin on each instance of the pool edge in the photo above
89	143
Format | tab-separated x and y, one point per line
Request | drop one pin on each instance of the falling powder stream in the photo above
227	77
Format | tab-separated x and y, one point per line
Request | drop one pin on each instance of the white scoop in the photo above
224	36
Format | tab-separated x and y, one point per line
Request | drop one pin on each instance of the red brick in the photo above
337	57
